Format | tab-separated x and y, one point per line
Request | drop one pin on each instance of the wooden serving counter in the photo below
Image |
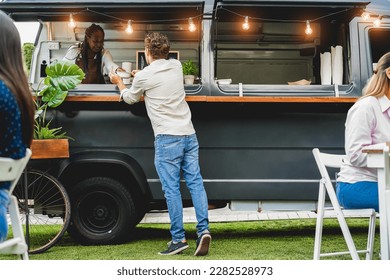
244	99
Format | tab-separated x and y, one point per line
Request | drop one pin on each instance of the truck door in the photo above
373	42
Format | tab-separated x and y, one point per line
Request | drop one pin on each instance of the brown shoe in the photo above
203	244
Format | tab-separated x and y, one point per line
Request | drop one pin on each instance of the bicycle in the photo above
44	206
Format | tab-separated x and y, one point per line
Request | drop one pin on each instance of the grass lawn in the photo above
260	240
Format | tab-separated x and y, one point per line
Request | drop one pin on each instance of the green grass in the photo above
266	240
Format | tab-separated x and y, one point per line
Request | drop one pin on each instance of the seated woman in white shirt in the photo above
368	122
92	57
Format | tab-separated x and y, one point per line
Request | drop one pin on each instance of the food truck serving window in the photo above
57	36
274	42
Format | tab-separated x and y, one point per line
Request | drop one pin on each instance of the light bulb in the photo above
245	25
129	28
308	29
365	16
378	22
71	23
191	25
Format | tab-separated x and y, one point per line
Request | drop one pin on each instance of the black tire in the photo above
140	213
103	212
47	213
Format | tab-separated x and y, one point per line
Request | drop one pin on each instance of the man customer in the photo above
368	123
176	144
16	107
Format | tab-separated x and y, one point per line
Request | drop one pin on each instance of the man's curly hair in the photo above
157	44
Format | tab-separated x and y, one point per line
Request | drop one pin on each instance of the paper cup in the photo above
126	66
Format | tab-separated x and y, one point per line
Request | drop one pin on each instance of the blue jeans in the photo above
358	195
174	154
4	200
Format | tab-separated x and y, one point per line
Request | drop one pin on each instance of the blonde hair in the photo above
379	84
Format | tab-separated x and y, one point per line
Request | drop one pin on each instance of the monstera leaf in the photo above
64	75
61	77
54	96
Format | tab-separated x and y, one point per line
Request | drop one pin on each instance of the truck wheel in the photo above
103	212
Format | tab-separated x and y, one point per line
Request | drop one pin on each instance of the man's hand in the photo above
115	79
134	72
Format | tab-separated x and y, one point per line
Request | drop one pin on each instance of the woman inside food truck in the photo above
92	57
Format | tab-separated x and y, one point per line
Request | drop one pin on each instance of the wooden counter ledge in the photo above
204	98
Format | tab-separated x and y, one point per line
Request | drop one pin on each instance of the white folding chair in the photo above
328	160
10	171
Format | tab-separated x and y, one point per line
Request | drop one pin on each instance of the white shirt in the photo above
368	123
107	60
161	83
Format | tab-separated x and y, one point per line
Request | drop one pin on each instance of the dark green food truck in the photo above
275	80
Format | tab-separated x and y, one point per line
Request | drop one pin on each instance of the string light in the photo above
246	25
191	25
71	23
129	28
308	29
365	16
378	22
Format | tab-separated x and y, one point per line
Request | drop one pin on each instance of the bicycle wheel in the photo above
46	212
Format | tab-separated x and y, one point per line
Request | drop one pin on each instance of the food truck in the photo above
276	79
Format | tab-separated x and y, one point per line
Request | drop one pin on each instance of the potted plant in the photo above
48	141
190	70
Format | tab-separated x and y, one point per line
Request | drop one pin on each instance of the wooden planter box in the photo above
50	148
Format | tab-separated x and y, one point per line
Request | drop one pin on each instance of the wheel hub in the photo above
100	212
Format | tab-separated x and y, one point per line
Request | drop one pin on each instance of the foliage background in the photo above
28	49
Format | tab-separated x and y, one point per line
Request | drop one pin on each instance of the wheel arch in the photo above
112	164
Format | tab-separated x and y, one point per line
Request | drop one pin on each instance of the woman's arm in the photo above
108	63
359	125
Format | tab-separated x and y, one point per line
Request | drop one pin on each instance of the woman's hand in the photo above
120	69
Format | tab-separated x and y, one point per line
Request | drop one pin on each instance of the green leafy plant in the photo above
190	68
28	49
61	77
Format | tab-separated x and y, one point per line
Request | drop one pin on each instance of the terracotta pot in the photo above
50	148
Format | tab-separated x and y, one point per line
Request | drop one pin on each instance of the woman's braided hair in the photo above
94	28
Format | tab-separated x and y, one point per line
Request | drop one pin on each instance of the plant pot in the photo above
50	148
189	79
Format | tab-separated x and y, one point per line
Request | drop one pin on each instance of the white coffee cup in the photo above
126	66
